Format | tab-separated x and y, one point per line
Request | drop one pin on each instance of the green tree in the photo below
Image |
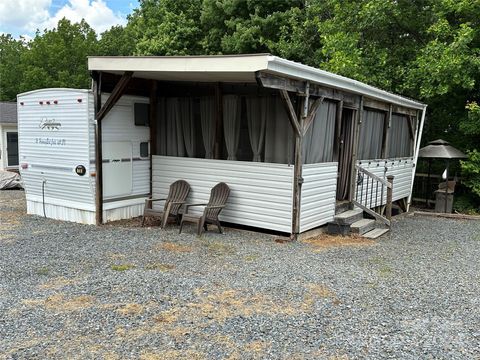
11	73
117	41
58	57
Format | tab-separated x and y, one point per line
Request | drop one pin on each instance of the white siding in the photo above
318	195
52	155
119	125
261	194
401	169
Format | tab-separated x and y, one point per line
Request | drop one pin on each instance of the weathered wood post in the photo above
388	209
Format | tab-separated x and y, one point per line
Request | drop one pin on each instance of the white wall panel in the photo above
261	194
318	195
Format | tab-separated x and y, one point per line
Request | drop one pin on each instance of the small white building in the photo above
290	140
8	136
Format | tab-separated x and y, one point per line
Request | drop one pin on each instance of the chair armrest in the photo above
177	202
190	205
215	207
149	202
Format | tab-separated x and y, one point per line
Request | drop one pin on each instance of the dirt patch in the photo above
131	309
57	283
173	355
173	247
324	242
159	266
60	303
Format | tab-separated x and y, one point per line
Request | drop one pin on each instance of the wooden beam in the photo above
338	129
218	122
290	112
311	114
386	132
97	98
410	127
356	132
153	126
117	92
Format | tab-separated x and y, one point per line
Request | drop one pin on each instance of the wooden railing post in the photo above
388	210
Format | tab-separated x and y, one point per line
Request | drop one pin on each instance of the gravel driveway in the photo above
121	291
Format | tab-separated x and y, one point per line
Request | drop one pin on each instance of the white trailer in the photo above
57	155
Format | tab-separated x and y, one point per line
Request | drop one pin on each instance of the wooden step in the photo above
342	206
348	217
362	226
375	233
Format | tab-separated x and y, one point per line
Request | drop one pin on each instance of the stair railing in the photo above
370	194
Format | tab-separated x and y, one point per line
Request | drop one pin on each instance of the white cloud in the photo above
30	15
24	14
95	12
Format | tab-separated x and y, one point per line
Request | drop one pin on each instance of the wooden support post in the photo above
338	128
356	132
218	122
153	127
311	114
292	116
97	98
388	210
386	132
117	92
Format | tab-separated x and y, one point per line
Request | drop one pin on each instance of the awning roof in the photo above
236	68
440	149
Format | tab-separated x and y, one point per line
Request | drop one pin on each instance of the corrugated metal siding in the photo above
55	163
261	194
401	169
318	195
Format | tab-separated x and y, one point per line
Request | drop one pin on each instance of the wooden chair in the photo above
177	196
217	201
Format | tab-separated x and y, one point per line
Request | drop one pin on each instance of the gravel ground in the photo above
121	291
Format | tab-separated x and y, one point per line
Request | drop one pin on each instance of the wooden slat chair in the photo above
217	201
177	196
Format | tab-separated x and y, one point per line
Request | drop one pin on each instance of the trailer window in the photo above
141	112
144	149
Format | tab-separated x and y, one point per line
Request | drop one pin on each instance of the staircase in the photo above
348	222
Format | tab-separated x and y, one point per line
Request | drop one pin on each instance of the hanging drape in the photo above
400	142
174	133
161	128
345	156
185	111
231	124
371	135
279	137
207	118
257	111
318	141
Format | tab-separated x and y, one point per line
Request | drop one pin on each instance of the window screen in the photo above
141	114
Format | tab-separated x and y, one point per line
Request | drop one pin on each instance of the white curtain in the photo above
371	135
279	137
185	111
161	128
257	111
173	126
318	141
231	124
400	142
207	117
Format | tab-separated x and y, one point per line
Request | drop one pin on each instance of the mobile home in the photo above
290	140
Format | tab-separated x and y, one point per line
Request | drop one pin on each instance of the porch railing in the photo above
370	194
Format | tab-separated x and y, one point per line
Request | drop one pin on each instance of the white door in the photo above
117	169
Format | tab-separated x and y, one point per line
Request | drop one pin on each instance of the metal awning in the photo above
440	149
237	68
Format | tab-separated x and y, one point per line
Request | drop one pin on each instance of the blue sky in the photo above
23	17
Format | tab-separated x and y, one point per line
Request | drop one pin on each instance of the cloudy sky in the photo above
24	17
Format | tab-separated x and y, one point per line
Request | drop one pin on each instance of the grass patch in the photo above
324	241
251	258
43	271
218	248
130	309
122	267
159	267
174	247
